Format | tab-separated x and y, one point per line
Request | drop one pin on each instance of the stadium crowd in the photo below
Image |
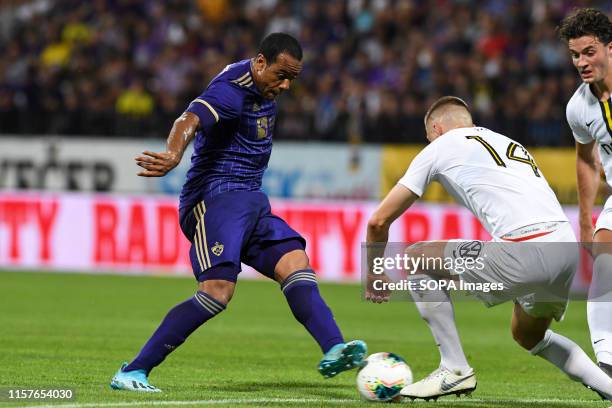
371	67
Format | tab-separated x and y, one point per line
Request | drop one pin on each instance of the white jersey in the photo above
491	175
590	119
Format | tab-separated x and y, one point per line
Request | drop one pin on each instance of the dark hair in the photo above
443	101
586	21
277	43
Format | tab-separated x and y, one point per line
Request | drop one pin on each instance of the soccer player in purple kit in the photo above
227	217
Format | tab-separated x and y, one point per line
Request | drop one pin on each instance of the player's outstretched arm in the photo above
395	203
587	177
398	200
159	164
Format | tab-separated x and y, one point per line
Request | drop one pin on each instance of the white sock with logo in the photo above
436	308
599	308
573	361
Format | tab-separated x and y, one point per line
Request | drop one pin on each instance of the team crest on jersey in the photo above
256	107
217	249
264	125
471	249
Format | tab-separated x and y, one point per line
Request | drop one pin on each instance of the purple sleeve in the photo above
220	101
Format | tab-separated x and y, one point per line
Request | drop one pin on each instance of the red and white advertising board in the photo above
140	235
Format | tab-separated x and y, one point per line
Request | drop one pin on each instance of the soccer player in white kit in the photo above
588	33
534	253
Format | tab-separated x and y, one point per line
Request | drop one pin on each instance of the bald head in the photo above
447	113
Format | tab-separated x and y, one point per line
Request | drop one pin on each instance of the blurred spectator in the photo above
134	107
371	67
135	101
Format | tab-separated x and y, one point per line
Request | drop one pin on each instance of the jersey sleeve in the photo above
220	101
575	122
421	171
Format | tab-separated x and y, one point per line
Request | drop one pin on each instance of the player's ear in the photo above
436	129
260	63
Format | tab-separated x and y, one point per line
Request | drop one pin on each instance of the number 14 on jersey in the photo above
510	154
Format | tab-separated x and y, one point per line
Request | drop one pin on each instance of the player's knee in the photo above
525	338
415	250
528	331
289	263
426	249
220	290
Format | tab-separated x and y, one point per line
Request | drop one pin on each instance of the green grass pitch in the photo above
68	330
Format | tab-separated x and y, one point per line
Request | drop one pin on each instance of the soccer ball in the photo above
383	377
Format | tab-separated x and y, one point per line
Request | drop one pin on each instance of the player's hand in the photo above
374	295
157	164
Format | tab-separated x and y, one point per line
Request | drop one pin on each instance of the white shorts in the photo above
604	221
537	274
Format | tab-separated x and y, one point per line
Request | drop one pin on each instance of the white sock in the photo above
436	308
599	308
573	361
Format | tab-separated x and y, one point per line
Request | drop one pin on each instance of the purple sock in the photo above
302	293
179	323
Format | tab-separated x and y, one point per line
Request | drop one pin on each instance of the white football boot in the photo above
440	383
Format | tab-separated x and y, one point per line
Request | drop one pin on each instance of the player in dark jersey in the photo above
227	217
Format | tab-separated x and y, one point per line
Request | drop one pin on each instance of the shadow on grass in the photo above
302	388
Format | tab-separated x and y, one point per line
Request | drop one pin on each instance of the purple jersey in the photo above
233	143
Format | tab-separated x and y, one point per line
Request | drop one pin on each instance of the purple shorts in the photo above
236	227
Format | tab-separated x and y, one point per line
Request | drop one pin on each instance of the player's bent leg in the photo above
179	323
599	305
528	331
560	351
220	290
436	309
454	376
215	267
182	320
299	285
293	260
